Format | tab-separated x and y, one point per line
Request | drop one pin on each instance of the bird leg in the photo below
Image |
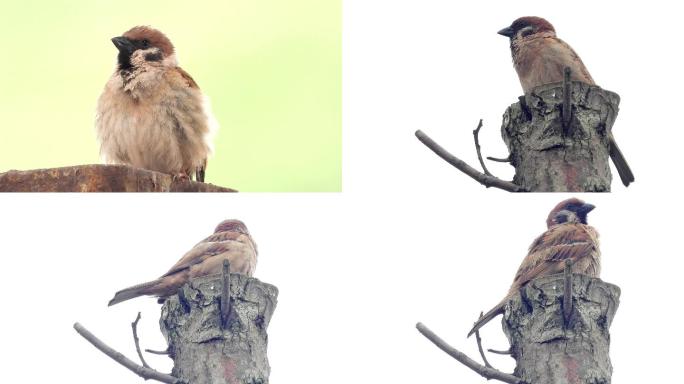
181	177
199	174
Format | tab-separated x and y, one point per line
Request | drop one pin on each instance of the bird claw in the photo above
181	177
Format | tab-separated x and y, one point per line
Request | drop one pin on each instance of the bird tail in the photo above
621	165
494	312
133	292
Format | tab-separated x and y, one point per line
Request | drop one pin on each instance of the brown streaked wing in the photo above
222	236
560	234
230	236
190	81
563	55
567	241
198	254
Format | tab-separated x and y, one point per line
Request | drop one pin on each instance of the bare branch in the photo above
225	294
506	160
476	134
567	294
506	352
144	372
486	372
479	346
486	180
152	351
134	325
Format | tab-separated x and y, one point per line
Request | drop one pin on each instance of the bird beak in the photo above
586	208
123	44
508	32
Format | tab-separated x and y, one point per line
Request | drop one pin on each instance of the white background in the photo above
411	239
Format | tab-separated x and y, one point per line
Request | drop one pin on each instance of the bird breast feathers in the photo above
548	252
542	59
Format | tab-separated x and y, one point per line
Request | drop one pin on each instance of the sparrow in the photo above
568	237
151	113
230	241
540	57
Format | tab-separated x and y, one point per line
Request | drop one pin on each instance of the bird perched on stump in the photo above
568	237
540	57
231	241
151	113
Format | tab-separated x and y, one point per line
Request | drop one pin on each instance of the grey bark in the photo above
549	158
549	351
205	352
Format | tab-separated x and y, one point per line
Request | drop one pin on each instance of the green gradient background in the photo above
272	69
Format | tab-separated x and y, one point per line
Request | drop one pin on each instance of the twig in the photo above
567	294
145	373
225	294
506	160
134	325
479	346
476	134
152	351
507	352
486	372
567	107
486	180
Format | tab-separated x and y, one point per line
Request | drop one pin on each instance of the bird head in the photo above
232	225
525	26
142	44
569	211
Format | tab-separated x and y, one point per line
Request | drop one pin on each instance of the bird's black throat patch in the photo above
124	59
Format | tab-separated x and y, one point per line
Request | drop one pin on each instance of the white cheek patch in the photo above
142	56
170	61
526	31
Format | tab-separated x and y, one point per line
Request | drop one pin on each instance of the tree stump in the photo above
204	351
99	178
549	351
551	157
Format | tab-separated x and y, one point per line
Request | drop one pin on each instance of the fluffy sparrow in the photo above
568	237
230	241
151	113
540	57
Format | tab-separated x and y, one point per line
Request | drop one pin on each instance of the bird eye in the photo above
145	43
